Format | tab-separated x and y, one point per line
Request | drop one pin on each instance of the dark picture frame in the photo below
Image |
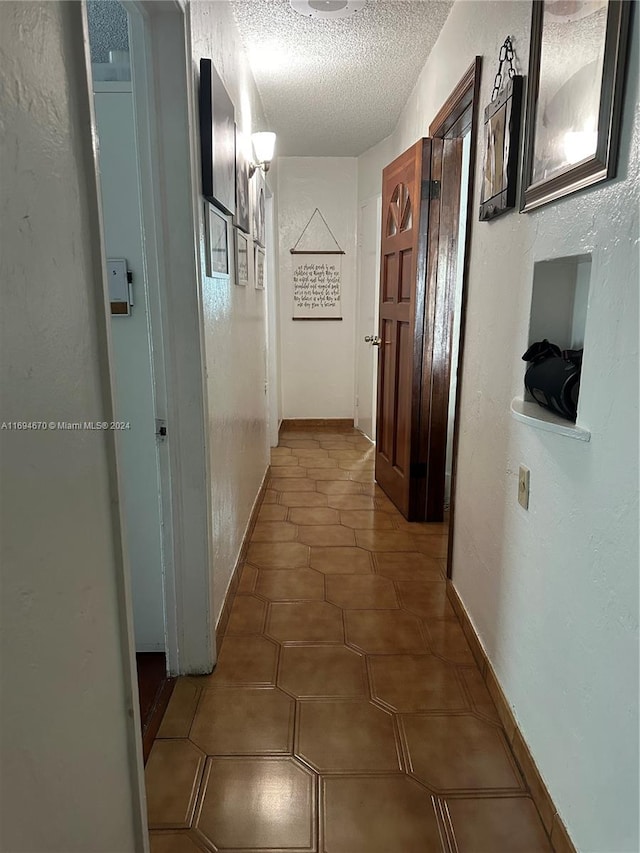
217	140
242	258
217	242
242	218
572	131
259	270
502	122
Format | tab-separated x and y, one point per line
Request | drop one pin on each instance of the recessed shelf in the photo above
534	415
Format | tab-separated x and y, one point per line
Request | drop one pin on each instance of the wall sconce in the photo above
263	146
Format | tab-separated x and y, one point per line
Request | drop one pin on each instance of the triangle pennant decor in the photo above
317	238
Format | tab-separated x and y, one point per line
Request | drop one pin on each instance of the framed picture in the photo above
217	140
258	202
576	71
217	243
242	258
259	268
502	146
243	215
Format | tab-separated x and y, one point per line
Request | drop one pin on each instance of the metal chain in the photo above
506	55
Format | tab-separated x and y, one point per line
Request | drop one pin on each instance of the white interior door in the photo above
369	224
132	363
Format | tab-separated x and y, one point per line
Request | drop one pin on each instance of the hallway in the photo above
346	713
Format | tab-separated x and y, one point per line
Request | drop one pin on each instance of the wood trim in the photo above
316	423
551	820
473	82
223	620
462	97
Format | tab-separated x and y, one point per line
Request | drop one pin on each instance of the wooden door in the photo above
415	324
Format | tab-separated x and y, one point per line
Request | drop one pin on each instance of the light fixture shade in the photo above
263	145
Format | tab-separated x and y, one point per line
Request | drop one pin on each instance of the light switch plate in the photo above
523	487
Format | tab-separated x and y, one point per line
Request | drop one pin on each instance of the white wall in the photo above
68	717
234	320
317	357
553	592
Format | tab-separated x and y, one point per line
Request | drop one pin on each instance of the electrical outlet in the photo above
523	487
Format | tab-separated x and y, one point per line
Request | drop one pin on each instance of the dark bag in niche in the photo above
553	377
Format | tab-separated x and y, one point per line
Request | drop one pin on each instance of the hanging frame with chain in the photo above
502	123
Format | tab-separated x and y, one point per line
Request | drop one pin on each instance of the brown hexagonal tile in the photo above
496	824
172	777
305	621
424	528
305	499
270	497
353	501
409	566
243	660
416	683
358	464
384	631
432	546
361	592
326	534
384	540
283	805
173	842
341	560
342	486
322	671
248	577
291	585
273	531
287	471
247	615
363	519
459	753
292	484
428	600
363	476
244	721
447	640
480	696
278	555
272	512
328	474
281	462
299	443
279	452
311	453
347	736
314	515
384	814
346	453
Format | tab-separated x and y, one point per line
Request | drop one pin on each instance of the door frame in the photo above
377	200
459	114
165	116
169	187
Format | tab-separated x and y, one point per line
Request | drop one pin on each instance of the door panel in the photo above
401	306
420	215
443	257
133	368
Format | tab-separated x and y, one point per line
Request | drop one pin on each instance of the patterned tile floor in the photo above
346	713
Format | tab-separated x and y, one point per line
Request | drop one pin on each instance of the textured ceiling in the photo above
336	87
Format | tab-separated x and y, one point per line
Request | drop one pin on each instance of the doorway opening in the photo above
426	211
143	114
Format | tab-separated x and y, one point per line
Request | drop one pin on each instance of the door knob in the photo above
374	340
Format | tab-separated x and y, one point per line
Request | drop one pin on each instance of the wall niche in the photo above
559	306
